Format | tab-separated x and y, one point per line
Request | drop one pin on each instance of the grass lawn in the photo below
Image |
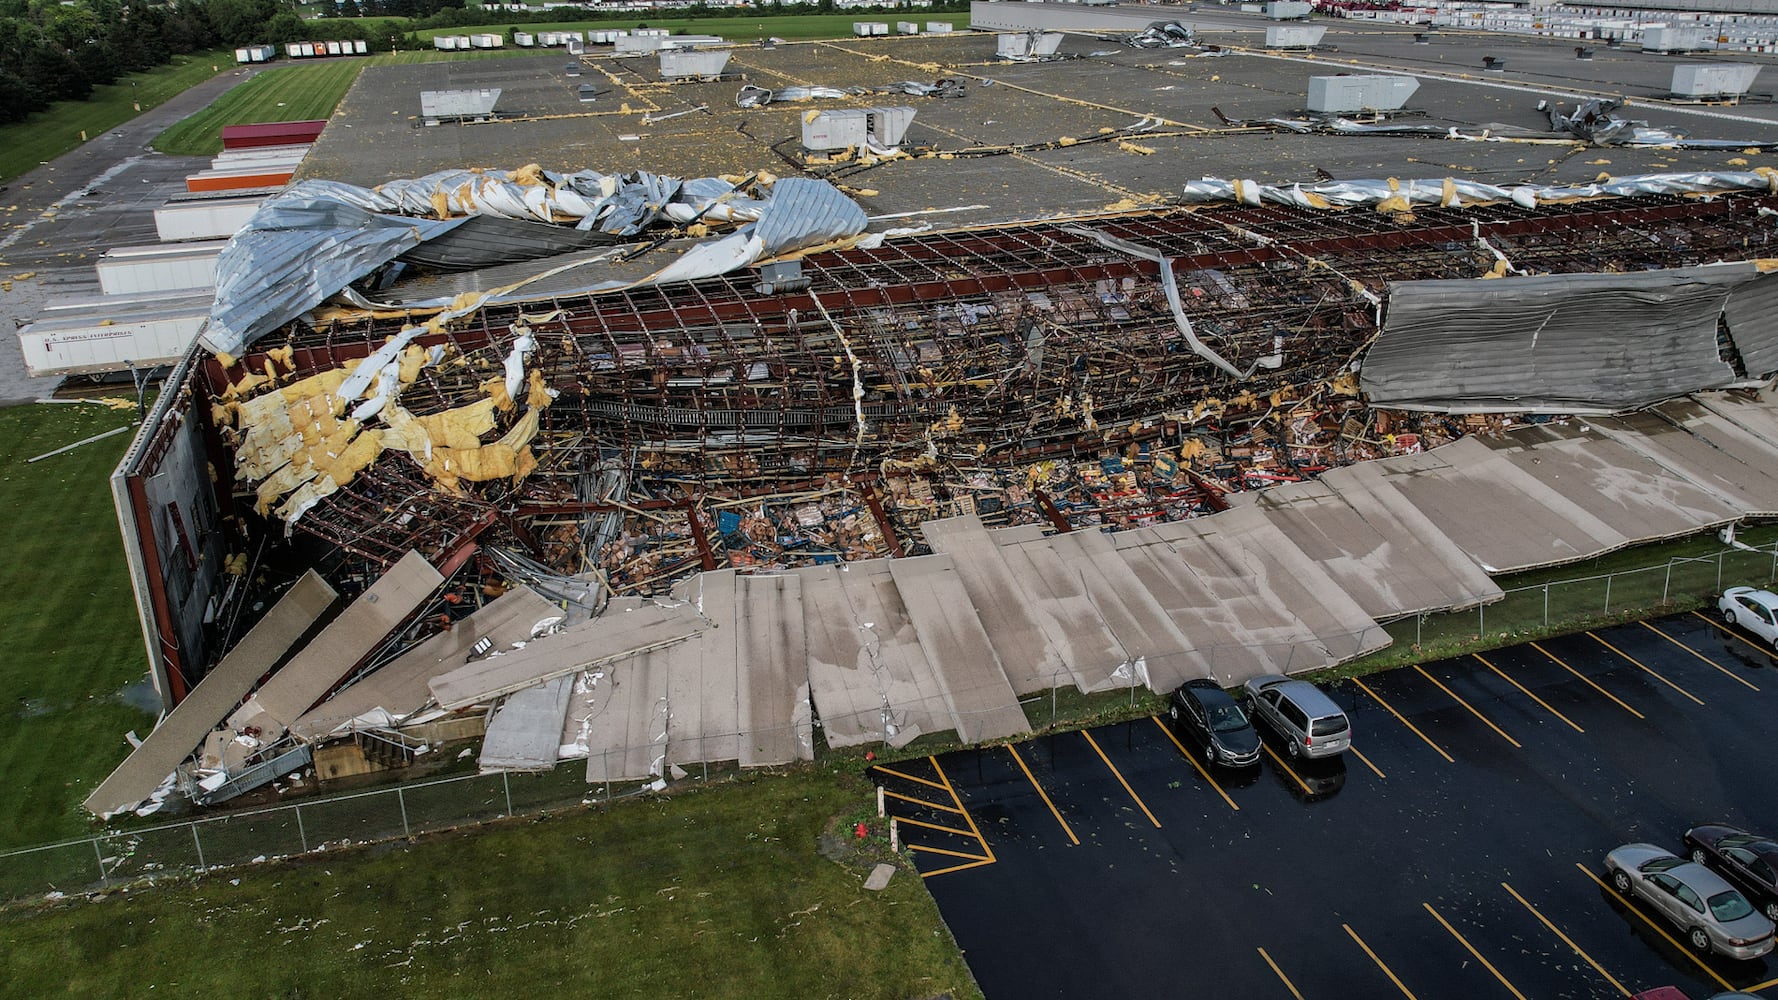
66	610
48	134
303	92
718	893
739	28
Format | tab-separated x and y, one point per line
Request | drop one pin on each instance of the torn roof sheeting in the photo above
1393	195
1555	343
314	240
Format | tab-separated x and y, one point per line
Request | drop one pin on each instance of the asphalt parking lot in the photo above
1456	852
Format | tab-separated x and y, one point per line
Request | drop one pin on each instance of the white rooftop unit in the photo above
687	64
637	45
158	267
831	131
866	29
576	46
1287	10
1294	36
938	27
437	104
690	41
1667	38
907	27
1713	79
1343	94
1028	44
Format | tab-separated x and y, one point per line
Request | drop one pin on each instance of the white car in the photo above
1754	610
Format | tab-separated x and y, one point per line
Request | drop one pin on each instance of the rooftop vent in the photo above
458	105
1294	36
1493	64
692	64
1023	45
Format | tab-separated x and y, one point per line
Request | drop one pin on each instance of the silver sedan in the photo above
1705	908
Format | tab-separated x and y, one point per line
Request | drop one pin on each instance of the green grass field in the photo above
66	611
720	893
49	134
734	29
303	92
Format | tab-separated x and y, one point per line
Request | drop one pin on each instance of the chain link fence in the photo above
317	824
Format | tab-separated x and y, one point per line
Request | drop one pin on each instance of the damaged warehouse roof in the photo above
862	488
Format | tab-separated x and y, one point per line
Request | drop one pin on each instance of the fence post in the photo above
195	839
1546	605
1774	575
99	856
1481	617
1719	572
401	797
1419	619
506	783
301	834
1608	578
1668	581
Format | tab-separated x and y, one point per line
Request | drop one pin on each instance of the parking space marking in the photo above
915	779
1527	692
1587	680
1386	970
1731	632
1300	783
1514	990
1367	762
940	827
1120	779
1057	813
1596	638
1566	940
945	851
1366	688
1657	928
920	802
1472	709
1761	986
1281	976
987	850
1194	762
1726	671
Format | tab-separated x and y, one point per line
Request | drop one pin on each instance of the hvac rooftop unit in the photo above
1287	10
1713	80
867	29
461	104
907	27
1344	94
937	27
576	46
1294	36
687	64
1029	44
635	45
831	131
1659	38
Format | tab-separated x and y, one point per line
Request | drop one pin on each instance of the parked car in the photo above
1752	609
1748	860
1710	913
1302	715
1207	714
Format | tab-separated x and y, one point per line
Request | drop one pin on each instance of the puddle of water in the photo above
141	695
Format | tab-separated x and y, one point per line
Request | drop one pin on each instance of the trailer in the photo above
255	53
237	180
204	218
158	267
524	39
113	337
271	134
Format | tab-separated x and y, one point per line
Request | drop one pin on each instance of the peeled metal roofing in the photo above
1753	324
1570	343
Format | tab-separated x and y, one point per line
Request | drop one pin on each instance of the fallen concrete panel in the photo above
1747	489
623	630
1031	661
1756	412
221	690
980	697
399	689
1506	520
774	704
869	678
619	716
526	733
703	709
1144	631
1743	431
339	648
1375	545
1070	621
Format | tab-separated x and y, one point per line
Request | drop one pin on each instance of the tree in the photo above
18	98
241	22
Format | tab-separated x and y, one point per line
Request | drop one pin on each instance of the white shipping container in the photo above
308	50
261	53
209	219
241	56
158	268
92	344
333	48
523	39
443	43
360	47
292	50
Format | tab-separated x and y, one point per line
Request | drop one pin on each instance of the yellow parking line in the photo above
1588	681
910	777
932	826
1731	632
1651	673
919	802
1514	990
1281	976
1566	940
1761	986
1528	694
1386	971
967	818
1726	671
1120	779
1657	928
1300	783
1465	704
1193	758
1057	813
954	868
946	852
1362	686
1367	762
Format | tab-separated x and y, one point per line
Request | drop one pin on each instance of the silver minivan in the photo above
1308	721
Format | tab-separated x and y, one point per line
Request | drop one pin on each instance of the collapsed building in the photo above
655	472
